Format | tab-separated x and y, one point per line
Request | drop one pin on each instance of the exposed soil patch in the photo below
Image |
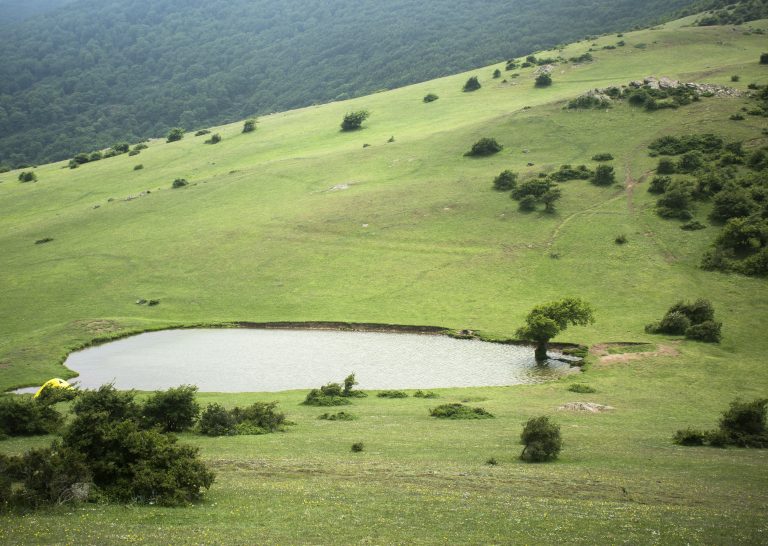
601	350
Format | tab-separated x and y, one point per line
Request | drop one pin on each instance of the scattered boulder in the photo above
590	407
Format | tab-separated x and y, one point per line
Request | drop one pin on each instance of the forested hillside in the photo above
95	72
13	11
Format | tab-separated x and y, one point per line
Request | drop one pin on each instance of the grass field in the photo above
264	232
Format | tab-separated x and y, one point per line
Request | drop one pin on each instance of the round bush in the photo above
216	421
484	147
542	440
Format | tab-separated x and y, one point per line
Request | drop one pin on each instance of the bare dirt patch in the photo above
601	350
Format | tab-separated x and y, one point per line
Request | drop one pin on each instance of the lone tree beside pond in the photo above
546	321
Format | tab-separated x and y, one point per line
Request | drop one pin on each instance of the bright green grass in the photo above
419	237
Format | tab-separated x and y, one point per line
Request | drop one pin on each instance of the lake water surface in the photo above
248	360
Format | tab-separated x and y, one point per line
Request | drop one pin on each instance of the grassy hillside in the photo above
299	221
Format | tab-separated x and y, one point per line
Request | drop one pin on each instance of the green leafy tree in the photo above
472	84
542	440
484	147
249	126
354	120
174	135
507	180
549	198
174	410
543	80
546	321
604	176
430	97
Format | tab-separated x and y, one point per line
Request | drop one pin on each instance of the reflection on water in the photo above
241	360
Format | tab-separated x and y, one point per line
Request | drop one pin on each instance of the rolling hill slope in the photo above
299	221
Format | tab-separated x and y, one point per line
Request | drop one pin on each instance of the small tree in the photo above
665	166
174	134
507	180
485	146
249	126
546	321
215	138
659	184
472	84
27	176
604	176
497	74
174	410
542	440
353	120
550	197
543	80
764	58
430	97
179	183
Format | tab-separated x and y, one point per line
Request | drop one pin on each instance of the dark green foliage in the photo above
497	74
693	225
25	416
731	202
174	410
676	202
583	58
348	390
690	162
202	132
708	331
673	324
116	405
549	198
507	180
694	320
215	139
581	388
430	97
43	240
27	176
250	125
472	84
602	157
546	321
459	411
764	58
528	203
134	152
736	117
586	102
338	416
357	447
54	395
138	147
671	145
541	439
744	423
215	420
659	184
175	134
543	80
138	167
392	394
354	120
258	418
425	394
689	437
123	147
621	239
179	183
569	172
484	147
535	188
491	461
320	397
665	166
604	176
758	160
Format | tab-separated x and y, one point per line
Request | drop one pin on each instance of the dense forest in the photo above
13	11
99	71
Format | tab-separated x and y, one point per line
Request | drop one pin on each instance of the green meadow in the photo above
298	221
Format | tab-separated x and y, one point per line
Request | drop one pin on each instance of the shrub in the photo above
202	132
459	411
690	161
689	437
676	202
507	180
491	461
744	423
25	416
736	117
315	397
568	172
604	176
27	176
138	167
133	153
348	390
260	416
497	73
485	147
392	394
115	405
354	120
174	134
541	439
174	410
735	78
659	184
602	157
731	202
472	84
53	395
179	183
357	447
697	312
425	394
215	139
764	58
338	416
430	97
581	388
139	146
123	147
249	125
527	203
543	80
215	420
693	225
665	166
707	331
672	323
43	240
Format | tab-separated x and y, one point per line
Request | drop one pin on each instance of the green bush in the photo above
693	225
138	167
676	201
215	139
338	416
689	437
581	388
604	176
315	397
174	135
665	166
261	415
707	331
27	176
659	184
543	80
507	180
179	183
174	410
602	157
744	423
357	447
472	84
484	147
425	394
732	202
497	74
541	439
430	97
569	172
202	132
392	394
459	411
215	420
354	120
116	405
690	162
527	203
248	126
621	239
25	416
348	390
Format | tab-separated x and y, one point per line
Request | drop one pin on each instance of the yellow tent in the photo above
54	383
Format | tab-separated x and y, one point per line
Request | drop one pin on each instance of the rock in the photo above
590	407
79	492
